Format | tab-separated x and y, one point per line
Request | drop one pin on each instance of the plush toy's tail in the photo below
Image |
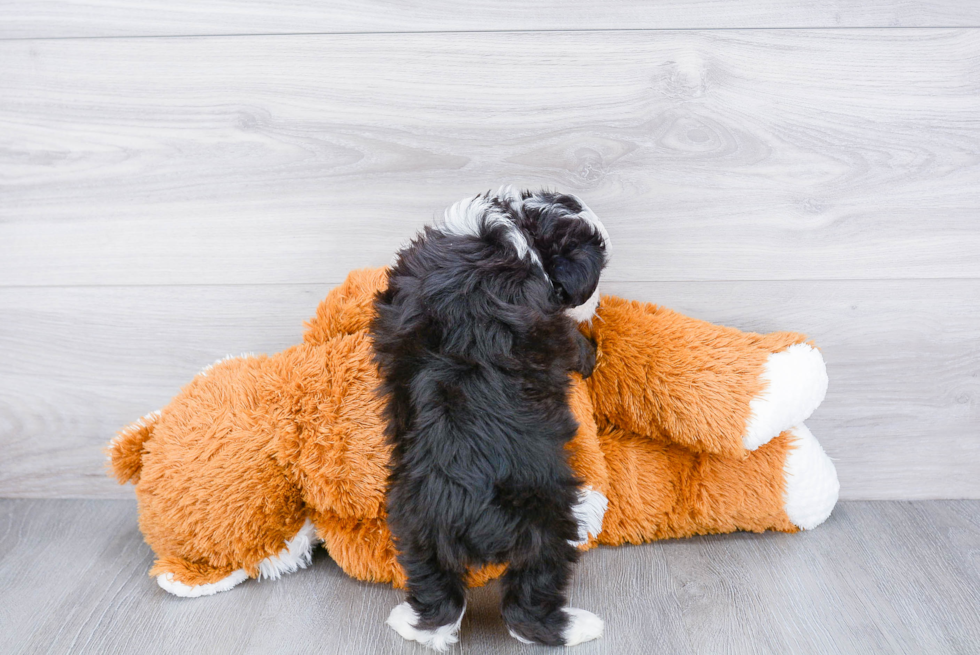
126	450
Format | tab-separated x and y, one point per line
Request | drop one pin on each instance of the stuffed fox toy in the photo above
685	428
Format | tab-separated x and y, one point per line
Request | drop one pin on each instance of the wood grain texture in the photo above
900	419
94	18
894	577
750	155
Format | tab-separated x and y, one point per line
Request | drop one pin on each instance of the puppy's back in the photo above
471	345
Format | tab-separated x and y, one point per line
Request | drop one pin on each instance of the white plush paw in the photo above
588	512
403	620
811	481
795	384
298	554
177	588
582	626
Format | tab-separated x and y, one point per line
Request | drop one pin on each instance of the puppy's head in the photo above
555	231
572	245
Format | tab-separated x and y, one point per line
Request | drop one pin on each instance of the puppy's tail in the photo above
125	451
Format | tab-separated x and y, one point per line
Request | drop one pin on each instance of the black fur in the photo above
474	351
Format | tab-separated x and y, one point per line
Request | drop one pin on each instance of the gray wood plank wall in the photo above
166	201
94	18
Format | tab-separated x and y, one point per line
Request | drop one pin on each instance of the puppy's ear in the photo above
571	242
575	272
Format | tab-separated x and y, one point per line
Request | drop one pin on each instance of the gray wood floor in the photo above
878	577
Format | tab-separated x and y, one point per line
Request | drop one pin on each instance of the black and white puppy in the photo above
475	336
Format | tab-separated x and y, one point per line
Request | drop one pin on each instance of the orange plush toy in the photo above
684	428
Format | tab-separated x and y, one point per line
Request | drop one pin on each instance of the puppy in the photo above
475	336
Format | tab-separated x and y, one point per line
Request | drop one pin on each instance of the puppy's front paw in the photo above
586	356
588	512
581	626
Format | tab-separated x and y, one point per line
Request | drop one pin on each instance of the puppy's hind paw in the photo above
403	620
582	626
586	355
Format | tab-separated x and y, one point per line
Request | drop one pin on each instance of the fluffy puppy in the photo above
475	336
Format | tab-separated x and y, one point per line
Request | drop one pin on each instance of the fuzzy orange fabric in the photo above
672	377
252	447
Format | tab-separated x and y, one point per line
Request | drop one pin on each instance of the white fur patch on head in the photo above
167	583
510	196
795	384
811	481
589	216
469	215
536	201
589	512
403	620
582	626
297	554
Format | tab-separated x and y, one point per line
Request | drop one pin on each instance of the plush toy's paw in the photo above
811	481
297	554
796	383
177	588
589	511
403	620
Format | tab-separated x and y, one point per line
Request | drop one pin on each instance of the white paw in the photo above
584	312
177	588
811	481
588	511
796	383
582	626
403	620
298	554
